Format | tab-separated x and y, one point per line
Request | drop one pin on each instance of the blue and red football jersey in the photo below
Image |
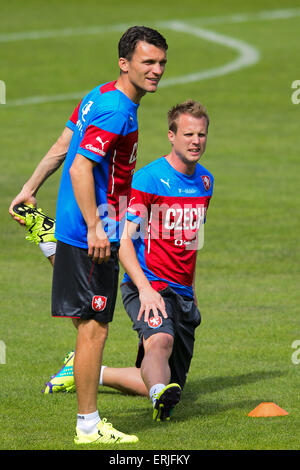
105	130
170	208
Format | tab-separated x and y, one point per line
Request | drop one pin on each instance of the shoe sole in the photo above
45	230
68	389
166	402
21	210
99	442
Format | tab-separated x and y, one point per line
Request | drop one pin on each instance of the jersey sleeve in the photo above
101	135
74	117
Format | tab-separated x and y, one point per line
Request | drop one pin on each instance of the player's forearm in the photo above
49	164
83	183
150	300
130	263
82	177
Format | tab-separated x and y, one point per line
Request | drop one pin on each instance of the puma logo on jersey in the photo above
166	182
95	149
101	142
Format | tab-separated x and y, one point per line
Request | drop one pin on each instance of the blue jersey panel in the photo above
103	117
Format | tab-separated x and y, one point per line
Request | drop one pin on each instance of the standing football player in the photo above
99	146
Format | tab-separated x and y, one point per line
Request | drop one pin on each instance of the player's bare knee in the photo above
101	332
92	331
159	341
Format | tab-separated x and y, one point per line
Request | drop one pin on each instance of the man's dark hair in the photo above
133	35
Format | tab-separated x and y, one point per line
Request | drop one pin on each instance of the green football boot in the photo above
63	381
106	434
40	227
166	401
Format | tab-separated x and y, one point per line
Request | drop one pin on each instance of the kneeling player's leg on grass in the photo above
155	367
156	374
126	379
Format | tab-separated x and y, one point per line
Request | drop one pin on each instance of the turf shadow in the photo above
201	386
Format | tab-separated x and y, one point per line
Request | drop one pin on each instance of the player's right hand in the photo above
98	246
25	198
150	299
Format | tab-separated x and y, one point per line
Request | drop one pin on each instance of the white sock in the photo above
48	248
101	375
154	390
88	423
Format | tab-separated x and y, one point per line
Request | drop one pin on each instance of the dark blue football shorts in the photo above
83	289
183	319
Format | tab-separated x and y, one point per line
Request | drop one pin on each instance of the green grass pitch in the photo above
248	270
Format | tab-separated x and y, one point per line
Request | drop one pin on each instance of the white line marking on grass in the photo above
92	30
65	32
267	15
248	55
47	98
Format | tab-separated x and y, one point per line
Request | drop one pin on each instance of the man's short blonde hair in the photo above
194	108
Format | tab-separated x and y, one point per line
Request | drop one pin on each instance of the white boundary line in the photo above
64	33
91	30
247	55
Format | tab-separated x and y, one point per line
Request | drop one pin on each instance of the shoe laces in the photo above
106	423
68	356
32	213
109	426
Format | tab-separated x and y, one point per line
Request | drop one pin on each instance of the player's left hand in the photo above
151	300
